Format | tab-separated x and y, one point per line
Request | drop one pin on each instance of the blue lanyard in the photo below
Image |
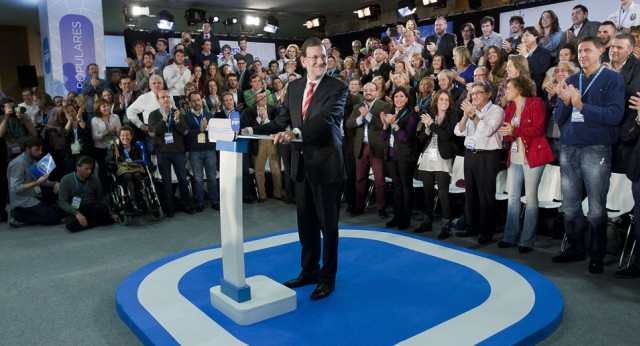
75	178
75	134
590	83
402	115
43	117
126	153
513	118
620	15
169	117
199	121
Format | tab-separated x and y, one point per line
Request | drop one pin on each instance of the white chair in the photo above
619	202
501	186
549	192
457	174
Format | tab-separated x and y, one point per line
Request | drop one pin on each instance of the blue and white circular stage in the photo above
391	288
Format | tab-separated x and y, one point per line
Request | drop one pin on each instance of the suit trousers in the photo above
480	171
364	163
318	210
268	150
402	176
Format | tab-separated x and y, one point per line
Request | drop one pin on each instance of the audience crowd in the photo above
544	96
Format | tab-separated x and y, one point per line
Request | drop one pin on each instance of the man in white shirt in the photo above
32	107
145	104
626	16
479	125
176	75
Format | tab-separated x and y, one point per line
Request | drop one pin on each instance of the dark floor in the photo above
59	288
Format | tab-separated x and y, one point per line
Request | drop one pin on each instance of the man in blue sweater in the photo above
589	110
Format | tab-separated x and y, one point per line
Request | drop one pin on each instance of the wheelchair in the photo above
147	197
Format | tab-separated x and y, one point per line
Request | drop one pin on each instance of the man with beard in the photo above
606	32
26	208
440	43
92	88
144	74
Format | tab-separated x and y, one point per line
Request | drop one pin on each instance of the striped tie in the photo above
307	99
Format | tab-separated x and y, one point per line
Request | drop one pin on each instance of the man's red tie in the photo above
307	99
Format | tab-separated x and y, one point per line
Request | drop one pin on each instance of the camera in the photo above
20	109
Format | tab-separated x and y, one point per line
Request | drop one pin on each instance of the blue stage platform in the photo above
392	288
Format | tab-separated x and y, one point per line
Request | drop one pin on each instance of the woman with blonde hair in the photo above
350	71
424	95
419	71
463	72
517	65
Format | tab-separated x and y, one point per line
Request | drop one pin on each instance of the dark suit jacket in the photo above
447	43
215	44
376	144
621	151
446	146
322	162
539	62
122	112
589	28
249	119
383	71
350	134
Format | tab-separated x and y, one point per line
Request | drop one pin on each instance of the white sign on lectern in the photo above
254	299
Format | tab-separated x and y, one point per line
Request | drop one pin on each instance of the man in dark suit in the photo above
208	35
442	43
124	98
314	107
369	148
538	57
377	67
582	26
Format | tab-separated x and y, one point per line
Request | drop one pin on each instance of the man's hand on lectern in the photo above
283	137
244	131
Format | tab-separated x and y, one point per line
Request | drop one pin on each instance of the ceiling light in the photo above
272	25
406	8
165	20
132	12
435	3
370	12
230	21
251	20
213	19
316	23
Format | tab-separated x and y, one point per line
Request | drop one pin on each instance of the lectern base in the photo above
268	299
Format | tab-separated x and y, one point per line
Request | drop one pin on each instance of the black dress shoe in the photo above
169	214
424	227
465	233
215	206
189	210
356	212
628	273
323	290
392	223
505	244
300	281
484	239
404	225
596	267
249	200
566	257
199	209
261	200
350	208
524	249
444	233
382	214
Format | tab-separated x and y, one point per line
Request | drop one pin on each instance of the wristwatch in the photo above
472	116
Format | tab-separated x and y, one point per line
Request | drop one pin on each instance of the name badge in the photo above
433	154
514	147
392	140
202	138
75	203
472	144
168	138
15	148
75	148
576	116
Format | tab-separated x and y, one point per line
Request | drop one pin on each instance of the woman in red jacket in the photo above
529	152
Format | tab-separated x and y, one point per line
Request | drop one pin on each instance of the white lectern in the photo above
254	299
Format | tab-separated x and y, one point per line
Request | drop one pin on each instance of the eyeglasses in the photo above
317	57
478	93
479	74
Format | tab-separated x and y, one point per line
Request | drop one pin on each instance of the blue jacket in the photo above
603	110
